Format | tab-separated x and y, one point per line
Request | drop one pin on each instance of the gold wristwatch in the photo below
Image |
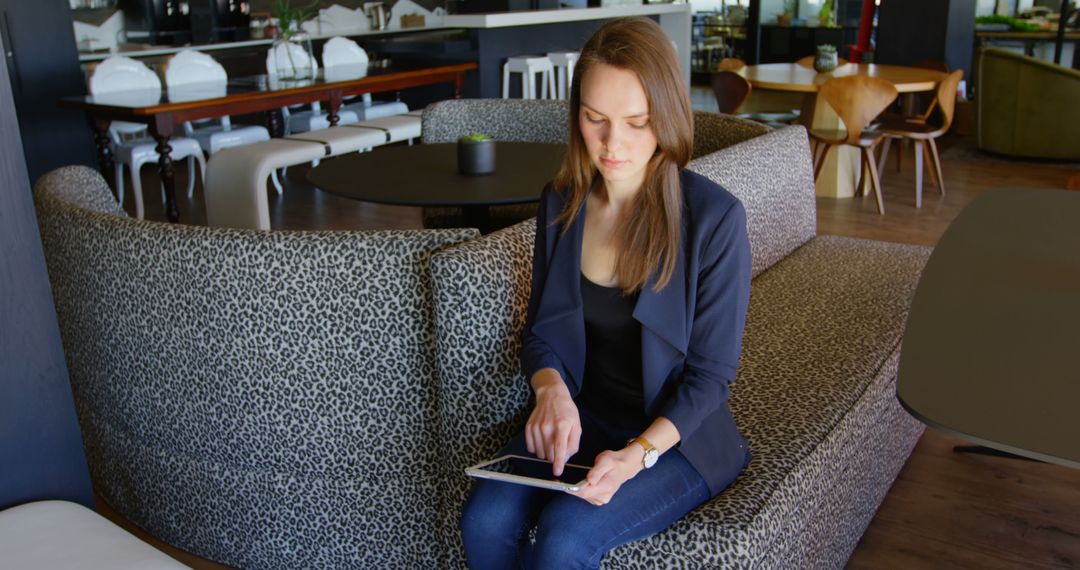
651	453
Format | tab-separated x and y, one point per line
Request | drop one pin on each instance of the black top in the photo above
612	389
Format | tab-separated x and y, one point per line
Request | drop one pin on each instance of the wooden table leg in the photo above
275	123
459	84
333	105
161	129
106	162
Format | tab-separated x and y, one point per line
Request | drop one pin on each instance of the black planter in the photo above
476	157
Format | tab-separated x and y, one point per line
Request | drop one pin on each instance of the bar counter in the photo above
487	39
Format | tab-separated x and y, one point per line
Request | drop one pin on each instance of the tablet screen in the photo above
530	471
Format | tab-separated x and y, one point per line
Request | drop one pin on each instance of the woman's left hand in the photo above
610	470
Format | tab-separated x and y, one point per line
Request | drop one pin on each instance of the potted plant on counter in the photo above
790	9
476	154
292	45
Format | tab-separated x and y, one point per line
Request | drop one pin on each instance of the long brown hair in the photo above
647	235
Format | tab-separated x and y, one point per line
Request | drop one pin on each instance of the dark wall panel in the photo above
41	454
43	65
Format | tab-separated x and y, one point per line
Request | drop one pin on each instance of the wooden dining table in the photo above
836	179
165	111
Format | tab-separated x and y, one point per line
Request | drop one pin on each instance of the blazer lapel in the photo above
560	321
664	335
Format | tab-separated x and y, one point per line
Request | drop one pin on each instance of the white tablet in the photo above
530	471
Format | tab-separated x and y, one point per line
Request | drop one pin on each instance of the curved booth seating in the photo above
1027	107
815	393
262	399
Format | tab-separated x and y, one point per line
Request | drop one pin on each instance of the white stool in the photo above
564	62
528	67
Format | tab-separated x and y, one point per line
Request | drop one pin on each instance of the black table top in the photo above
427	175
992	347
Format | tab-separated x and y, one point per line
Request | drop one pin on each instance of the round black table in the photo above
426	175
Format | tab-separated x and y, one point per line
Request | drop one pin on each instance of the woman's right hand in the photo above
554	428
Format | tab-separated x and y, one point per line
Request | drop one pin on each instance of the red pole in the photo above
866	25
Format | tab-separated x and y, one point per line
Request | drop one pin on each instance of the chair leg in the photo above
118	174
937	165
275	181
885	155
860	176
506	81
136	189
821	160
876	184
190	176
918	173
929	162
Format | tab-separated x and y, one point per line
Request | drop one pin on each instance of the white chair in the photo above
343	54
193	74
528	67
127	79
564	62
306	120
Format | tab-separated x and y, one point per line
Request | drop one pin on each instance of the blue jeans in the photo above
571	533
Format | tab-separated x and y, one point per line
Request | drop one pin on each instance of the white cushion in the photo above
60	534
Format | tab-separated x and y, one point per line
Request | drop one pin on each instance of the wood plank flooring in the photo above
946	510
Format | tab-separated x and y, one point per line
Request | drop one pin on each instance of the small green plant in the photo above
826	48
791	7
474	137
290	17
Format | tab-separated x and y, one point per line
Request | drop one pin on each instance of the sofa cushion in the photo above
818	367
772	176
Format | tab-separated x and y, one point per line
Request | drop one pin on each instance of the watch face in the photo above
650	458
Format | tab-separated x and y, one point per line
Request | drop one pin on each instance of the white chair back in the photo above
119	73
342	51
190	66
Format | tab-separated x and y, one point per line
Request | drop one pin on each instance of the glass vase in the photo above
293	58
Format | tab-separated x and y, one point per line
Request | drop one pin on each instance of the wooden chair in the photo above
808	61
731	90
920	131
857	99
730	64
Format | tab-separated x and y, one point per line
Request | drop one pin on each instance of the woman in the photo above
641	279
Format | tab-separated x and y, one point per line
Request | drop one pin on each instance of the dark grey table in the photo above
992	347
426	175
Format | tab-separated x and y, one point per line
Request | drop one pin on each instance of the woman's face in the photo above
614	121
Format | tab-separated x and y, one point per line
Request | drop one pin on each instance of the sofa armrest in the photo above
481	292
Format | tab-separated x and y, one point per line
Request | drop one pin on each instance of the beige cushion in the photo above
58	534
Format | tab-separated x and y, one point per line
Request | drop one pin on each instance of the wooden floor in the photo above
946	510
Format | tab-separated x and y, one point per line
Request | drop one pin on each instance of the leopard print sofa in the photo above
814	394
262	399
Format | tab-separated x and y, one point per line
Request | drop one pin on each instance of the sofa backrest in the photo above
772	176
544	120
1026	106
511	120
716	131
248	395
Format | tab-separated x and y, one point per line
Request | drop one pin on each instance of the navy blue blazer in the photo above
691	331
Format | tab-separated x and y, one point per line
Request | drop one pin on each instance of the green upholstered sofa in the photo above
1027	107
